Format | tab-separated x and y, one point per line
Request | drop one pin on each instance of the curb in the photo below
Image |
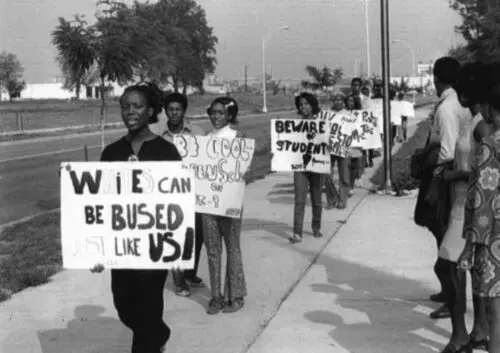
315	259
25	219
25	135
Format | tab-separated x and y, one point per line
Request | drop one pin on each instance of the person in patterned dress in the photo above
223	112
482	217
470	93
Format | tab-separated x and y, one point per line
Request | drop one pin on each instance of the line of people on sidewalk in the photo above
459	194
350	168
138	294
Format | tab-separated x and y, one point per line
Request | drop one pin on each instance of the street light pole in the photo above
384	17
266	37
411	51
367	30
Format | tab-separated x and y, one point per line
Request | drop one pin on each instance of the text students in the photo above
138	294
175	105
308	107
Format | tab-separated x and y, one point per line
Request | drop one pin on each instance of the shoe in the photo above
233	306
441	313
182	290
482	345
450	348
295	238
330	205
370	164
215	305
351	192
341	205
195	282
438	297
317	234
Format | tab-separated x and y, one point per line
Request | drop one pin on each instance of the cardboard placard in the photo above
127	215
219	165
300	145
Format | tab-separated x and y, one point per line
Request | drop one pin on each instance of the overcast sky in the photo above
330	32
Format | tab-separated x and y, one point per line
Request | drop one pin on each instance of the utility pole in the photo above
384	17
246	78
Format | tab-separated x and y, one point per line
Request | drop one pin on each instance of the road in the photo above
29	182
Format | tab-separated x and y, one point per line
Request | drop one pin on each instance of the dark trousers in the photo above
344	185
302	182
138	298
404	127
368	155
197	252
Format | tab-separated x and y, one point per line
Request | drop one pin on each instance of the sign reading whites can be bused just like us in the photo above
127	215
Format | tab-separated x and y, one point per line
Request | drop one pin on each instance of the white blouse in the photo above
226	132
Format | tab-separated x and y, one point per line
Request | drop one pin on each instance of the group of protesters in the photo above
138	294
351	167
459	198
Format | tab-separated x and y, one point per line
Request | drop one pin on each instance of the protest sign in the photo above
219	165
127	215
300	145
377	109
397	111
344	133
369	135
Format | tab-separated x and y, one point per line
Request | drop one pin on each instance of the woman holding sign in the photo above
308	107
338	198
138	294
357	160
223	113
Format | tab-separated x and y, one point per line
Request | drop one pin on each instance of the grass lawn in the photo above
47	114
30	252
401	161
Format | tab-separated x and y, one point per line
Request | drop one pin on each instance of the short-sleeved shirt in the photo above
156	149
449	119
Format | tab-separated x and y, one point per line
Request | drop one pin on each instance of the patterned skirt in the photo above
486	270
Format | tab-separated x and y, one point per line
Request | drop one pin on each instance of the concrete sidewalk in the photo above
75	313
368	291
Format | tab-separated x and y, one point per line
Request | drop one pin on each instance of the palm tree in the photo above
75	55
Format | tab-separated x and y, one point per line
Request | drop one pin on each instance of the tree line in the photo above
480	29
11	74
166	42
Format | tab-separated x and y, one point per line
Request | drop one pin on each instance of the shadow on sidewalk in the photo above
373	311
280	229
87	332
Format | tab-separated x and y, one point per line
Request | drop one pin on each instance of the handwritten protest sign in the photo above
127	215
369	136
376	107
397	111
219	165
300	145
344	133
